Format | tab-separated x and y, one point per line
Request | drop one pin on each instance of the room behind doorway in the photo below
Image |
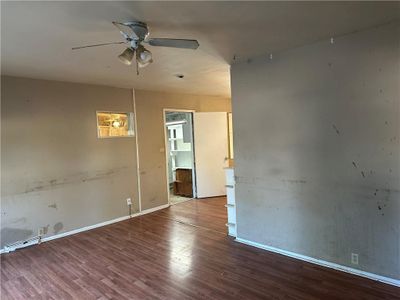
180	155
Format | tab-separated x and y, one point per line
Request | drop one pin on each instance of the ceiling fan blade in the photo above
98	45
174	43
125	30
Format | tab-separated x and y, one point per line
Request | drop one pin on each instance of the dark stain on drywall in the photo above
363	174
384	201
58	227
45	229
354	164
10	235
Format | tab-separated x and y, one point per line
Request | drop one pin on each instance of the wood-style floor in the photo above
178	253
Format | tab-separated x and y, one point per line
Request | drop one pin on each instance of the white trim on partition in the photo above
135	114
323	263
86	228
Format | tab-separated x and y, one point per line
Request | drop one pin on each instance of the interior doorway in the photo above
180	155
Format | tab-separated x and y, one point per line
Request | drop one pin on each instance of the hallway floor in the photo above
175	199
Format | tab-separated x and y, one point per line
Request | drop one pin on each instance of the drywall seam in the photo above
137	150
323	263
86	228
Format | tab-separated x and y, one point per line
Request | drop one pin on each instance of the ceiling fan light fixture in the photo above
126	57
145	64
143	56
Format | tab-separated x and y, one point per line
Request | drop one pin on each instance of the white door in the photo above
211	151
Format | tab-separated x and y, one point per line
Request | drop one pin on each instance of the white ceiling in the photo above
36	38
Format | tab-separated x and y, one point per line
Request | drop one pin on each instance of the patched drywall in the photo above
56	174
316	133
149	106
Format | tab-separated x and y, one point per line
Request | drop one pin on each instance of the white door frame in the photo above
166	147
211	158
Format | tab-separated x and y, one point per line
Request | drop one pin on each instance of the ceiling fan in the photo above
135	33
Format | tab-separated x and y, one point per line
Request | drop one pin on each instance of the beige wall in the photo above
149	106
56	173
316	133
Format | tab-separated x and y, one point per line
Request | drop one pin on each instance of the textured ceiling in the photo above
36	38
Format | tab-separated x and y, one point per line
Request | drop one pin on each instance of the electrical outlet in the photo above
129	201
354	258
40	231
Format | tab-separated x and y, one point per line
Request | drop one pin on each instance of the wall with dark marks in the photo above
150	105
316	133
56	174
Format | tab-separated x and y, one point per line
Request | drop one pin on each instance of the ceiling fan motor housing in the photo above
140	29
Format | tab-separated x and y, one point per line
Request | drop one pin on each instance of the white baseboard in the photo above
86	228
323	263
150	210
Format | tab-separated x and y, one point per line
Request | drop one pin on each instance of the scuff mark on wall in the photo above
18	220
41	185
54	205
336	129
294	181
